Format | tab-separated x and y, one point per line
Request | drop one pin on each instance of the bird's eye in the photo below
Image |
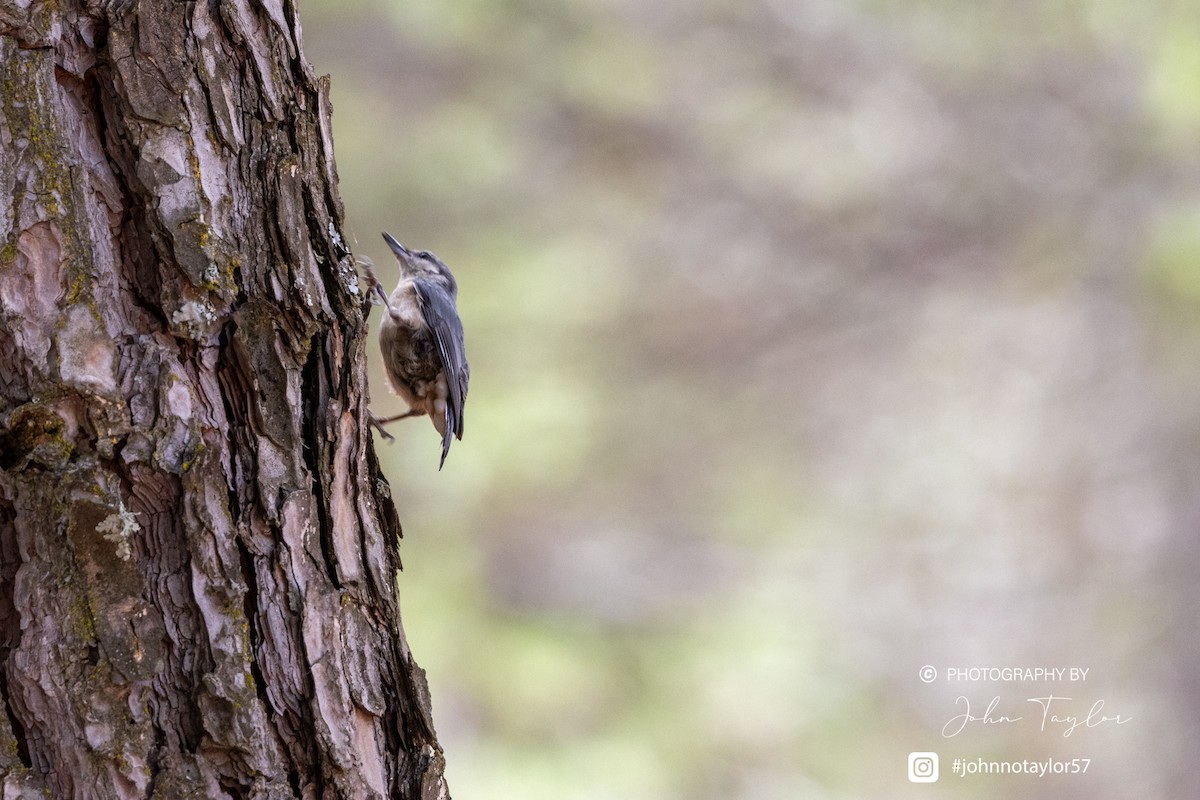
422	254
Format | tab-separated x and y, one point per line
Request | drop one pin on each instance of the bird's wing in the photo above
438	309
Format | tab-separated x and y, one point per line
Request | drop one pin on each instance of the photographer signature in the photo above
1052	717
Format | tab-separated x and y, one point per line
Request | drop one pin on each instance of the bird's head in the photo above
421	264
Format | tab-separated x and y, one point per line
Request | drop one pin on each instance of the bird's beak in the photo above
400	250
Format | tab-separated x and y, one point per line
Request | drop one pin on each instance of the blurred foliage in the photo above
811	342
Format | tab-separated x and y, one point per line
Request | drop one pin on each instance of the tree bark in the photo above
197	550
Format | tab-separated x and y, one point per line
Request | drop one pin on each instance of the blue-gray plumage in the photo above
421	338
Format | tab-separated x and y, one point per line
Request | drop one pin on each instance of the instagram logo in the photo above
923	767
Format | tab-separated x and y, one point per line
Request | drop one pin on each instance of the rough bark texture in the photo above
197	552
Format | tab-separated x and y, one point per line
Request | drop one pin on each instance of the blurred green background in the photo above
811	343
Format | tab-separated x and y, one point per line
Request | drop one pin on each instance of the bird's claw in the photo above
377	423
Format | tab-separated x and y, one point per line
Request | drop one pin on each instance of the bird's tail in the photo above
447	437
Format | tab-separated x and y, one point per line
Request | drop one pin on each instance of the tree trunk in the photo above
197	550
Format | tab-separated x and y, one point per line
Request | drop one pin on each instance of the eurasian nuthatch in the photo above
422	342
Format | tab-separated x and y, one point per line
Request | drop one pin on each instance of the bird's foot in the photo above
379	422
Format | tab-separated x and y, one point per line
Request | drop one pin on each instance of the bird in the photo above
421	338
